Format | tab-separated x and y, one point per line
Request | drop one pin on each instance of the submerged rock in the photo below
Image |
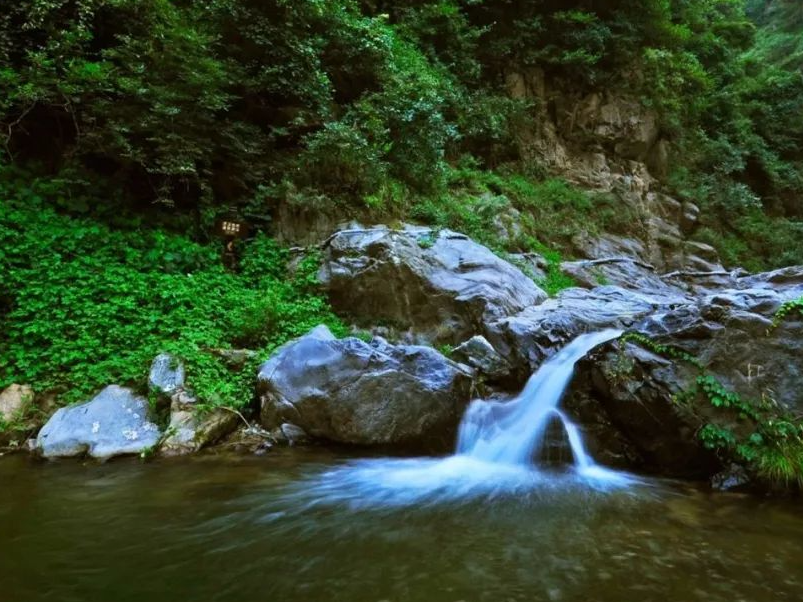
349	391
733	478
115	422
439	282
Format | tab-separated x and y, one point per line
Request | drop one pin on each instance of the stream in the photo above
297	525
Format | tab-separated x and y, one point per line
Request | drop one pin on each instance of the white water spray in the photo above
513	432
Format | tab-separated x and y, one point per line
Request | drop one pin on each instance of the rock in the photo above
350	391
625	399
507	225
645	410
730	334
478	353
441	283
293	434
192	429
236	358
787	282
689	218
115	422
532	264
15	400
658	159
166	375
733	478
624	272
534	334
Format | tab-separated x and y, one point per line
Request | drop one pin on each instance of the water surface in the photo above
315	526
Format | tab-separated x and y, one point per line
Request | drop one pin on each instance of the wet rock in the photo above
293	434
624	272
350	391
787	282
115	422
641	409
166	375
15	400
625	398
478	353
439	282
731	334
534	334
734	478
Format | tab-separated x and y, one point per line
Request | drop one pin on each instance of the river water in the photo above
316	525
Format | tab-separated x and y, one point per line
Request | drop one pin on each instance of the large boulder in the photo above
349	391
645	408
528	338
115	422
439	283
626	399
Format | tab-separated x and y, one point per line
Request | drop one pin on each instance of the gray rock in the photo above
166	375
440	283
478	353
733	478
115	422
293	434
15	400
351	392
624	272
534	334
627	398
731	334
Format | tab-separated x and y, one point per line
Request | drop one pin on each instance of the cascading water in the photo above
512	432
497	447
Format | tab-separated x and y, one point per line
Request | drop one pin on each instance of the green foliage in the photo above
339	105
659	349
788	310
85	305
446	350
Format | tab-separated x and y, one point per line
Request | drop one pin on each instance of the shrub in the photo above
85	305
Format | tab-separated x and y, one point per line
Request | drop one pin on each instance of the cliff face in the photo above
607	142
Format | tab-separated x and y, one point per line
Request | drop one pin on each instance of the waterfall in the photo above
499	452
513	432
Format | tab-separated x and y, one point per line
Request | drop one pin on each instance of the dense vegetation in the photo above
84	305
123	122
330	103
